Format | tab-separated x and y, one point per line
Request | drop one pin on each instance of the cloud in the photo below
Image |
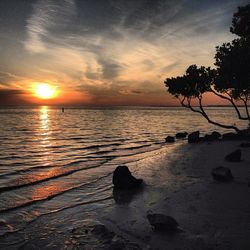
110	69
12	96
6	78
119	48
170	67
48	16
4	92
149	65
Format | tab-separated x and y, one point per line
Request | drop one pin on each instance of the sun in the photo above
45	91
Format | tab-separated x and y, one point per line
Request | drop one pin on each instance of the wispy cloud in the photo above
48	15
9	79
10	96
122	48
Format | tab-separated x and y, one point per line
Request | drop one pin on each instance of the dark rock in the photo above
123	179
216	135
181	135
234	156
245	134
208	138
194	137
169	139
245	145
232	137
222	174
162	222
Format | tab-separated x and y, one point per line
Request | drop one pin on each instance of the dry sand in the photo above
212	215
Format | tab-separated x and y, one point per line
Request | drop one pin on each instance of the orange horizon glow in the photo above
44	93
52	92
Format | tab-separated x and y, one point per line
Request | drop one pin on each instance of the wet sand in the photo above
178	183
212	215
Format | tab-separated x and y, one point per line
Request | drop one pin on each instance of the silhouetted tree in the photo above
230	80
241	22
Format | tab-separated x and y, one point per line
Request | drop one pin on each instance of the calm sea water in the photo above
52	161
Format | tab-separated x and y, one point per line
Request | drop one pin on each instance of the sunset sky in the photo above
105	52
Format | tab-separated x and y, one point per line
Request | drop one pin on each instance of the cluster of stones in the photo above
124	180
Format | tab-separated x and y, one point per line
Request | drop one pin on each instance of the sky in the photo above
106	52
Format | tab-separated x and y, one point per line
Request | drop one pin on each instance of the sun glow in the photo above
45	91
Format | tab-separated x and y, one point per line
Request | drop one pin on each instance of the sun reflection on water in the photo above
44	133
44	118
45	136
45	191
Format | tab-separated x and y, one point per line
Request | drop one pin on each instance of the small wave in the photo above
137	147
11	157
29	169
109	197
49	197
33	179
102	145
59	146
77	138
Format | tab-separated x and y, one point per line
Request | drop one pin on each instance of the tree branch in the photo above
183	104
230	99
213	122
246	105
203	112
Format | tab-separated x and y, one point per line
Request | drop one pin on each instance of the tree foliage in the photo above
194	83
241	22
230	80
233	68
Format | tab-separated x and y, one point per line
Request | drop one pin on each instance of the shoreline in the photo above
178	183
213	215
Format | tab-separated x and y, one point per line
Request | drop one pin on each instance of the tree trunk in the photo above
204	114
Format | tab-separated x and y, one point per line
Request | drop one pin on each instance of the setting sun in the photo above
45	91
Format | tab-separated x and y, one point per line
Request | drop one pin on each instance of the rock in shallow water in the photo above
169	139
216	135
123	179
222	174
235	156
181	135
162	222
194	137
231	136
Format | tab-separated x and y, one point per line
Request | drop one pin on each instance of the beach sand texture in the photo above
213	215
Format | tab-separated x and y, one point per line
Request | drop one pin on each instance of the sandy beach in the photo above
211	215
177	182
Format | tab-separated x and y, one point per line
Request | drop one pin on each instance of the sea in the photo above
54	164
